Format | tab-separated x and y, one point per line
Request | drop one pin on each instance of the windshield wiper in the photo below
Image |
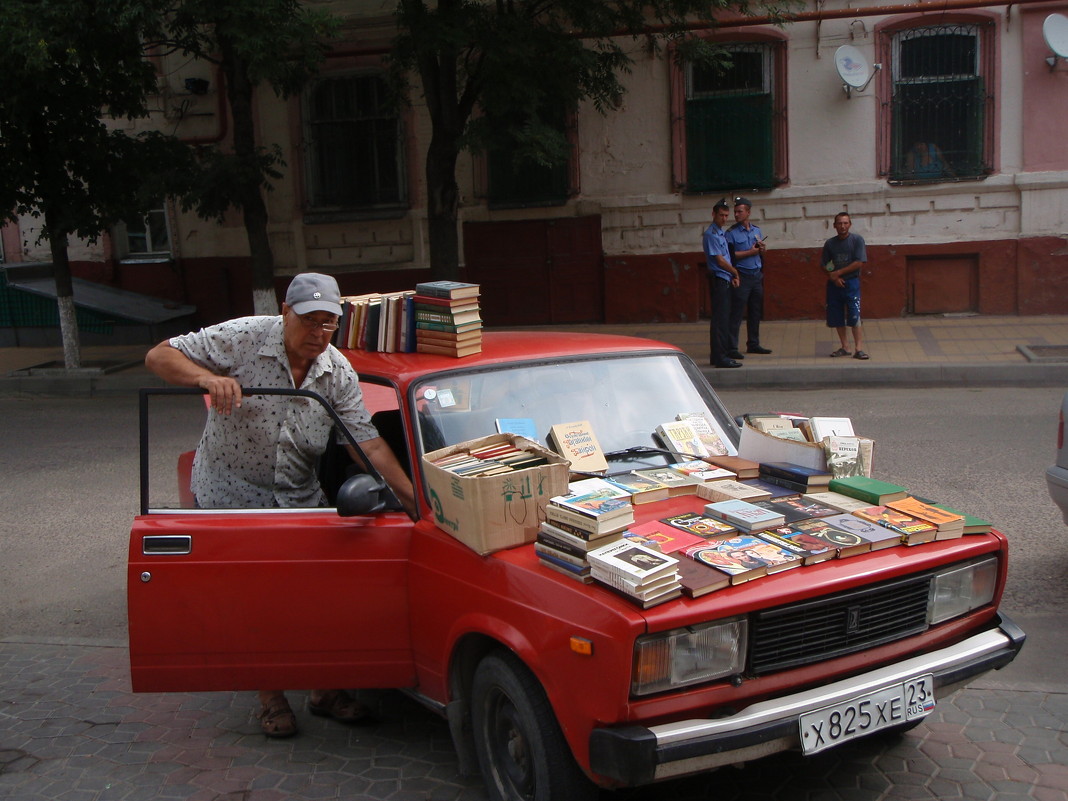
638	450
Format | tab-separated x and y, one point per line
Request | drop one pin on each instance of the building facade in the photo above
951	161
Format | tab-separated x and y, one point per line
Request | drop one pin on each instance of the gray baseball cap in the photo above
309	292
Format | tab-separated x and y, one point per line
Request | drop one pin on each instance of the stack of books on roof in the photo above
593	513
644	575
448	320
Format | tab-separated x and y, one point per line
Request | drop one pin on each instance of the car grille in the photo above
800	634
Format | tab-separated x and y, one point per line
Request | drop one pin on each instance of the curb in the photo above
845	376
904	375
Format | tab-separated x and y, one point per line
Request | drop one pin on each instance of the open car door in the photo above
227	599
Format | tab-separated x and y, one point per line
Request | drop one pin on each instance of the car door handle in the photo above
166	544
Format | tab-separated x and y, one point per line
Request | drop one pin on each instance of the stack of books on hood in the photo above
593	513
448	319
644	575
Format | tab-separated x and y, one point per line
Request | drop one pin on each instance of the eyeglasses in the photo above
310	322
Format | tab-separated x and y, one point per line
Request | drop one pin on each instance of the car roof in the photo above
499	347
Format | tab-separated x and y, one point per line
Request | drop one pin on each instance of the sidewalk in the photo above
913	351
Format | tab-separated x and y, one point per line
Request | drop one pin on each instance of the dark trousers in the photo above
719	328
747	300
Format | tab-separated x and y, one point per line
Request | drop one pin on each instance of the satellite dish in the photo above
1055	32
853	69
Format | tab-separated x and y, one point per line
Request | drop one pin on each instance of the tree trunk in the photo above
68	320
442	206
254	210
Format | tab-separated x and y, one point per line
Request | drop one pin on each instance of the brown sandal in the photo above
277	718
342	707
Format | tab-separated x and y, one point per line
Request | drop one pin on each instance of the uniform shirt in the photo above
715	244
266	453
740	239
844	252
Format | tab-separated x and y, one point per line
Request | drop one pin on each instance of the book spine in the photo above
613	580
785	483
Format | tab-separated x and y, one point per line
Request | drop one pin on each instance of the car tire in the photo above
521	751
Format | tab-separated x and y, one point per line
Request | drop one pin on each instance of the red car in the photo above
551	687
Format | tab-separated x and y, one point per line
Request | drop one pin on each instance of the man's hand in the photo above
225	392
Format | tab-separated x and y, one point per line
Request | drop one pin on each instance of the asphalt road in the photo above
70	490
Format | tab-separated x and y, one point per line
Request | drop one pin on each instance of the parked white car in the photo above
1057	474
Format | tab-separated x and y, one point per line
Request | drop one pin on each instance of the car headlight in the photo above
687	656
960	590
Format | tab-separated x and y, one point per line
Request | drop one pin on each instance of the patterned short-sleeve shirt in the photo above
265	454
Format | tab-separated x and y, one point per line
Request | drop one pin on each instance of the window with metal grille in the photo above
941	111
355	153
733	121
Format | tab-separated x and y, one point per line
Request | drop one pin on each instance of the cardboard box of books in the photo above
849	455
492	508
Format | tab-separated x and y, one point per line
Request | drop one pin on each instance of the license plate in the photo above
857	717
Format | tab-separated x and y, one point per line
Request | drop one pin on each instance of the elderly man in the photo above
262	452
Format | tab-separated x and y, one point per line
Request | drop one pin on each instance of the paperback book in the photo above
699	525
743	515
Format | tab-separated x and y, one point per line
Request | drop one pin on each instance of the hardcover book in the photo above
699	579
744	516
593	527
679	436
972	524
727	489
743	468
602	505
775	487
835	500
876	492
577	443
810	476
830	427
447	289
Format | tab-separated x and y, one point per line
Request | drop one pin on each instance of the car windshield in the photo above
624	398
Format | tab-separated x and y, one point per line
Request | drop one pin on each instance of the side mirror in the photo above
362	495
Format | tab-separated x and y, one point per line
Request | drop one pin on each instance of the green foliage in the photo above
215	185
521	63
71	69
278	42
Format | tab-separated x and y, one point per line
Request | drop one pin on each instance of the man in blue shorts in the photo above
843	257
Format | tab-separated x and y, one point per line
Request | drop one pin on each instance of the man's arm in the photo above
176	368
385	462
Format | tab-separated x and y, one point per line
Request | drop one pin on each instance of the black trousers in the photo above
720	292
747	299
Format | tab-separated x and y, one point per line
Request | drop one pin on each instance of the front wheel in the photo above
521	750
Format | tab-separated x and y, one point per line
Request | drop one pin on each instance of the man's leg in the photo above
739	296
754	314
719	328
